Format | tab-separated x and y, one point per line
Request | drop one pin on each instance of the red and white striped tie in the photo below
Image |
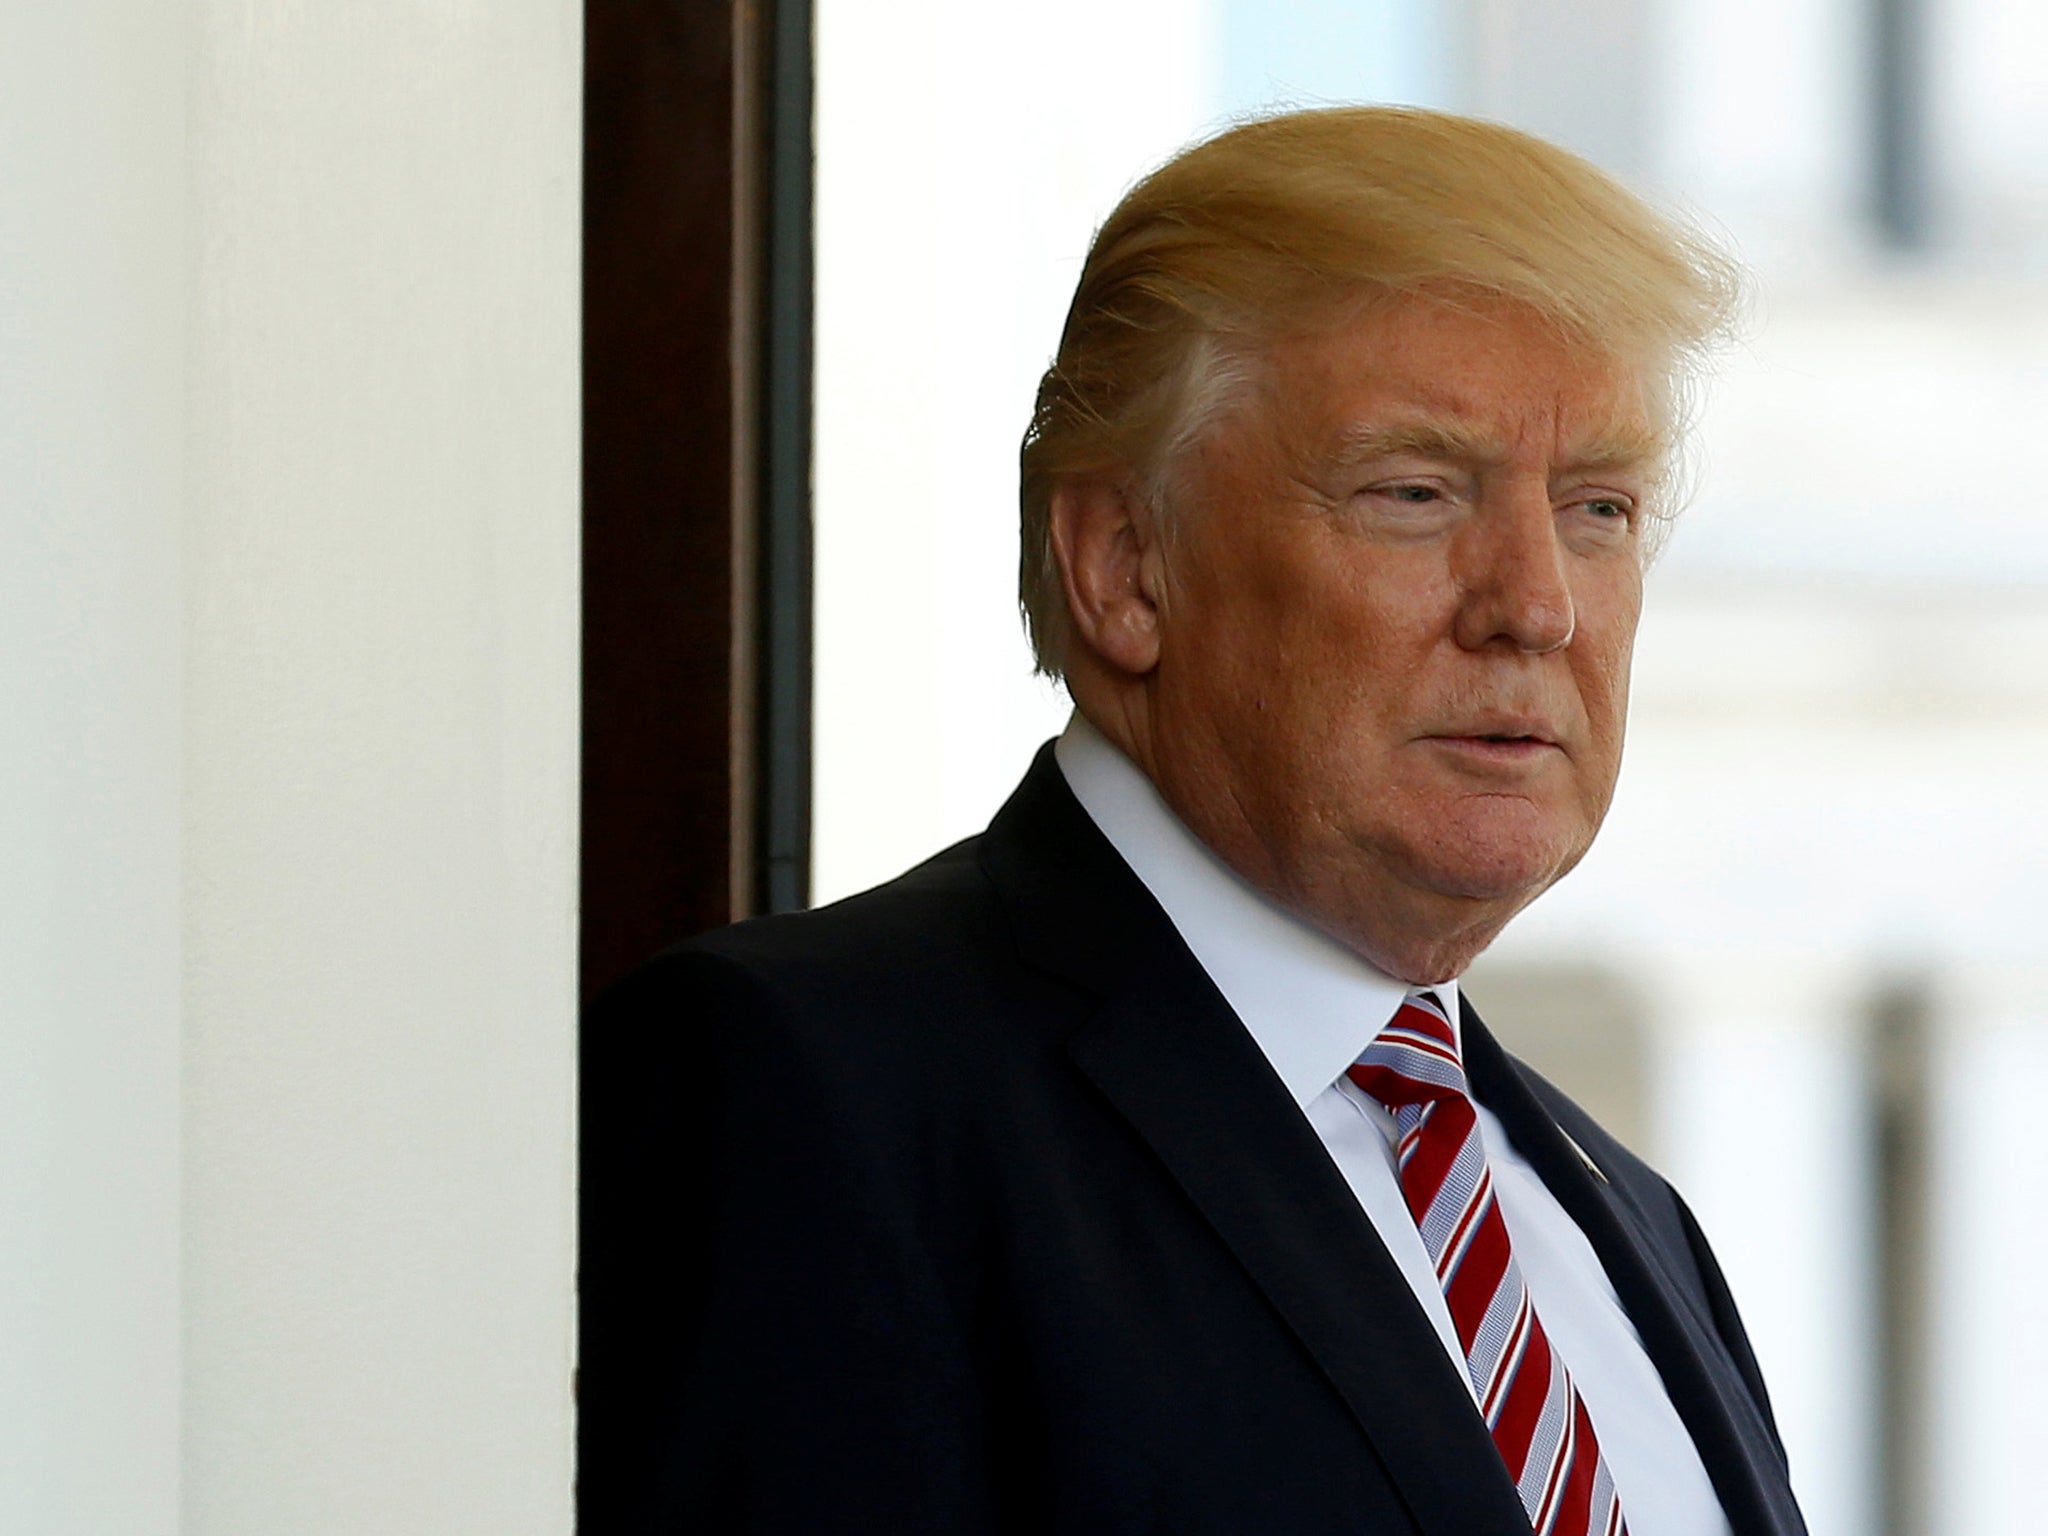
1539	1425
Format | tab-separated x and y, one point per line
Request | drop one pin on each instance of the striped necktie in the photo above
1538	1423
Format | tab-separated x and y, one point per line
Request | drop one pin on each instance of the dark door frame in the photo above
696	470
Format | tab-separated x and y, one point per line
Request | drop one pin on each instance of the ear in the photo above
1111	567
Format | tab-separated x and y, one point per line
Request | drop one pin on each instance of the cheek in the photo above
1308	638
1604	686
1252	643
1605	696
1605	654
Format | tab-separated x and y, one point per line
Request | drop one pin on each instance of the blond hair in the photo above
1280	221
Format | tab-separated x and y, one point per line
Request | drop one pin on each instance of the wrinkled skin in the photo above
1380	662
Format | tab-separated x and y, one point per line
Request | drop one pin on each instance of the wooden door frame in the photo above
696	470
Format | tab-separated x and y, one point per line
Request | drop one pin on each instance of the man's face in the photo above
1397	620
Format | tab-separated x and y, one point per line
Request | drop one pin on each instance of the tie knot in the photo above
1414	1059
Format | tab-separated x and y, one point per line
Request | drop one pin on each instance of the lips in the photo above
1503	744
1502	732
1502	757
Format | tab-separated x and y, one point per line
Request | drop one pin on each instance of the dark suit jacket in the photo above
968	1206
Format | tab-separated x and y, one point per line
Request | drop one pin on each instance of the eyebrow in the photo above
1620	446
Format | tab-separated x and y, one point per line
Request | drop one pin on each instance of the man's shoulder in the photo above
935	914
1001	916
927	957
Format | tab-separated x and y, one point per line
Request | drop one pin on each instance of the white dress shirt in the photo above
1313	1006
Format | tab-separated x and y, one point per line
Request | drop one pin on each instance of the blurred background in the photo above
1802	969
410	428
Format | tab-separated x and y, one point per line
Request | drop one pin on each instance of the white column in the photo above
380	768
1990	1184
1763	1105
92	278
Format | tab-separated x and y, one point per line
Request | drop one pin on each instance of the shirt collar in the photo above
1310	1004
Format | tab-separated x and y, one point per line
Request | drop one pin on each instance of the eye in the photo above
1407	504
1416	494
1607	511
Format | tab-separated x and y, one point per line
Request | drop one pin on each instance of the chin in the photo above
1472	866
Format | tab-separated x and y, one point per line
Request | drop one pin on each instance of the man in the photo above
1137	1166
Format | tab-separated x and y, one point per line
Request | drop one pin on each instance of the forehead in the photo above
1484	379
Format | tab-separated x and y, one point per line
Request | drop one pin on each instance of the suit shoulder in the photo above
936	918
922	967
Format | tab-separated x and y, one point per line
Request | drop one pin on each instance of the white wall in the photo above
288	464
91	388
380	768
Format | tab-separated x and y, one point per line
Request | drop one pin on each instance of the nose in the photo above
1510	569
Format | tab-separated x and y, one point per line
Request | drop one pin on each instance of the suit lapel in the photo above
1165	1050
1733	1439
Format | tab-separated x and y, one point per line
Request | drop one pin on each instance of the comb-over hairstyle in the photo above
1278	224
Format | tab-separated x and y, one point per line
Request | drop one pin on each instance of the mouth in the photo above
1501	748
1529	732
